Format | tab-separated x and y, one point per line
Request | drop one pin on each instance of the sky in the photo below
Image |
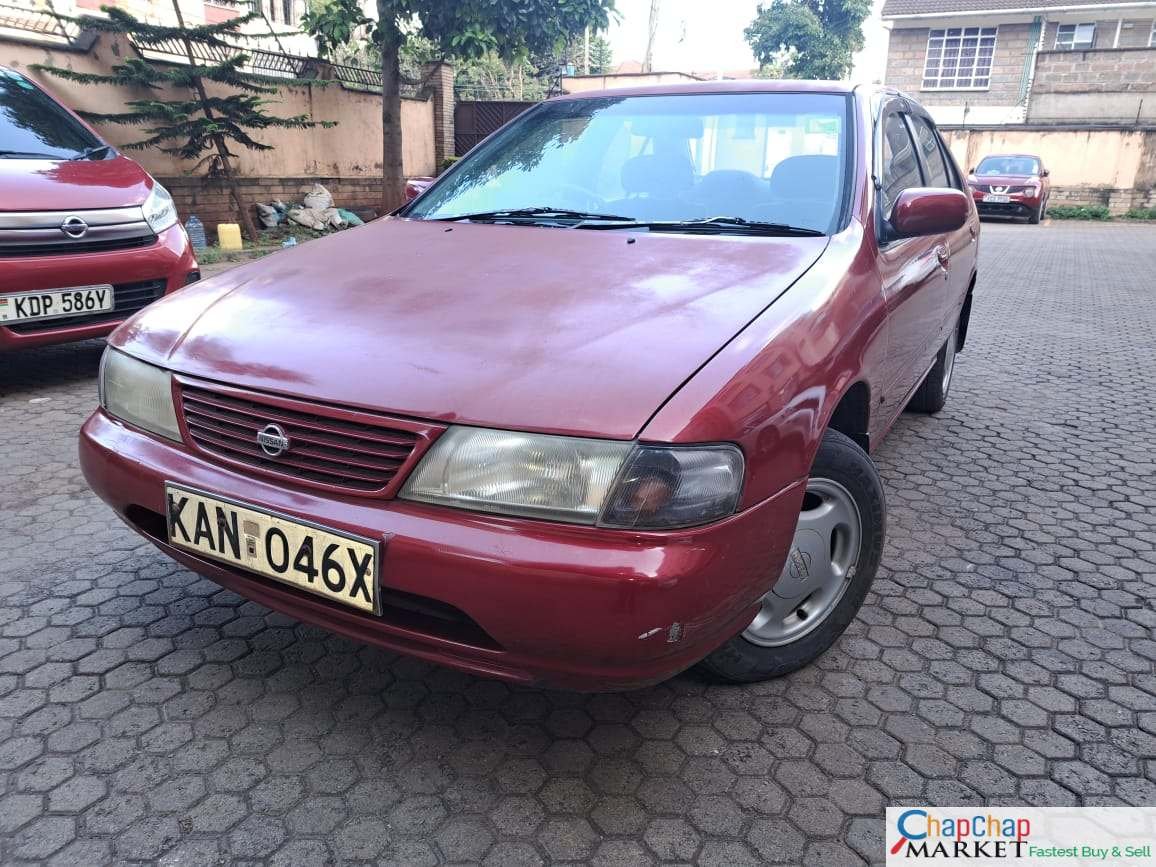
706	36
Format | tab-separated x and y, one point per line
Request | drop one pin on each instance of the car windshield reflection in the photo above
752	158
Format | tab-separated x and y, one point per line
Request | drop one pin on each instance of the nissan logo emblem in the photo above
272	440
74	227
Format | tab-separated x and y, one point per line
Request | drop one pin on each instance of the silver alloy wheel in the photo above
818	570
948	360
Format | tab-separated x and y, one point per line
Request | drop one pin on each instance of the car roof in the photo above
1012	156
754	85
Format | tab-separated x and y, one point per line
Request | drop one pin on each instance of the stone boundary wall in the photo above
1113	167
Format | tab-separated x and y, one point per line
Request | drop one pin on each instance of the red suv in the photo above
1011	185
87	237
595	407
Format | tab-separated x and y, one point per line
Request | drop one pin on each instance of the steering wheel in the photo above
591	201
779	210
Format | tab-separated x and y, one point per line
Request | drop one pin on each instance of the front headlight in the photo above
160	211
581	481
138	393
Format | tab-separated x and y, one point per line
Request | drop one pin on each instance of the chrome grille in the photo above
363	456
1003	189
41	233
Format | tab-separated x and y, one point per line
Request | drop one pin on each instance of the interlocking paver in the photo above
1004	656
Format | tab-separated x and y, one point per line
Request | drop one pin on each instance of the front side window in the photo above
928	140
33	126
1075	37
1008	166
959	58
765	157
900	165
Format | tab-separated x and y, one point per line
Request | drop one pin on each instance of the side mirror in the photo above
1044	173
414	187
928	211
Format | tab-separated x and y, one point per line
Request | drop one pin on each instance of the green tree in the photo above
467	29
601	55
197	126
809	38
492	76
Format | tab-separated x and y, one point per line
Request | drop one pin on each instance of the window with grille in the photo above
1075	37
959	58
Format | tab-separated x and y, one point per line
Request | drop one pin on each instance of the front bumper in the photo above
1019	206
573	607
165	265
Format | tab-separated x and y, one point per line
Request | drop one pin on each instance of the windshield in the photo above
1008	166
766	157
32	125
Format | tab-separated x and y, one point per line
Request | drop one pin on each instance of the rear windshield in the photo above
34	126
767	157
1008	166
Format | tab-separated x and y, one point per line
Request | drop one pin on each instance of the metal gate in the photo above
473	121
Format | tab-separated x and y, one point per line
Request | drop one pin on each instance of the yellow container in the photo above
229	236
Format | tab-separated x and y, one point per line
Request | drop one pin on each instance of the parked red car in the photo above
87	238
1011	185
596	407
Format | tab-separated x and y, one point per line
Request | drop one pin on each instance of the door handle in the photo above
943	256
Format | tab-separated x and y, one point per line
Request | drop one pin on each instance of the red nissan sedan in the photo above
595	408
87	237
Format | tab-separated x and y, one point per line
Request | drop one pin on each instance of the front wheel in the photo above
832	561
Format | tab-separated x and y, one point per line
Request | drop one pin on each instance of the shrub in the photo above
1141	214
1079	212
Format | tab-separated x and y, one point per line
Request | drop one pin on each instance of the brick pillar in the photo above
440	78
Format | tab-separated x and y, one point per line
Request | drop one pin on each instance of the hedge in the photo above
1079	212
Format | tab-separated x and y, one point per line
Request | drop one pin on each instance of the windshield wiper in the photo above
710	226
521	213
89	153
33	154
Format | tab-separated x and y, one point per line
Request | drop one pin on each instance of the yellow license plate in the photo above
338	566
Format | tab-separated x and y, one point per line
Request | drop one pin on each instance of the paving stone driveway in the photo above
1005	655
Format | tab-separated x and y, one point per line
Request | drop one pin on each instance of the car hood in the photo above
521	327
71	185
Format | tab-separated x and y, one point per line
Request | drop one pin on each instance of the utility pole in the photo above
648	63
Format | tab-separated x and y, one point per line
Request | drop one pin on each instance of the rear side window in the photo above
937	173
32	125
900	166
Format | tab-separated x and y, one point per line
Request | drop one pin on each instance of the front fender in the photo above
773	387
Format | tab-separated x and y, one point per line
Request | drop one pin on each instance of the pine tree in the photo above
199	126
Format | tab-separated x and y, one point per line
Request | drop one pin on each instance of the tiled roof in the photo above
929	7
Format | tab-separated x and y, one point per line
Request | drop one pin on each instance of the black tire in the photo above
1034	216
840	460
931	395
